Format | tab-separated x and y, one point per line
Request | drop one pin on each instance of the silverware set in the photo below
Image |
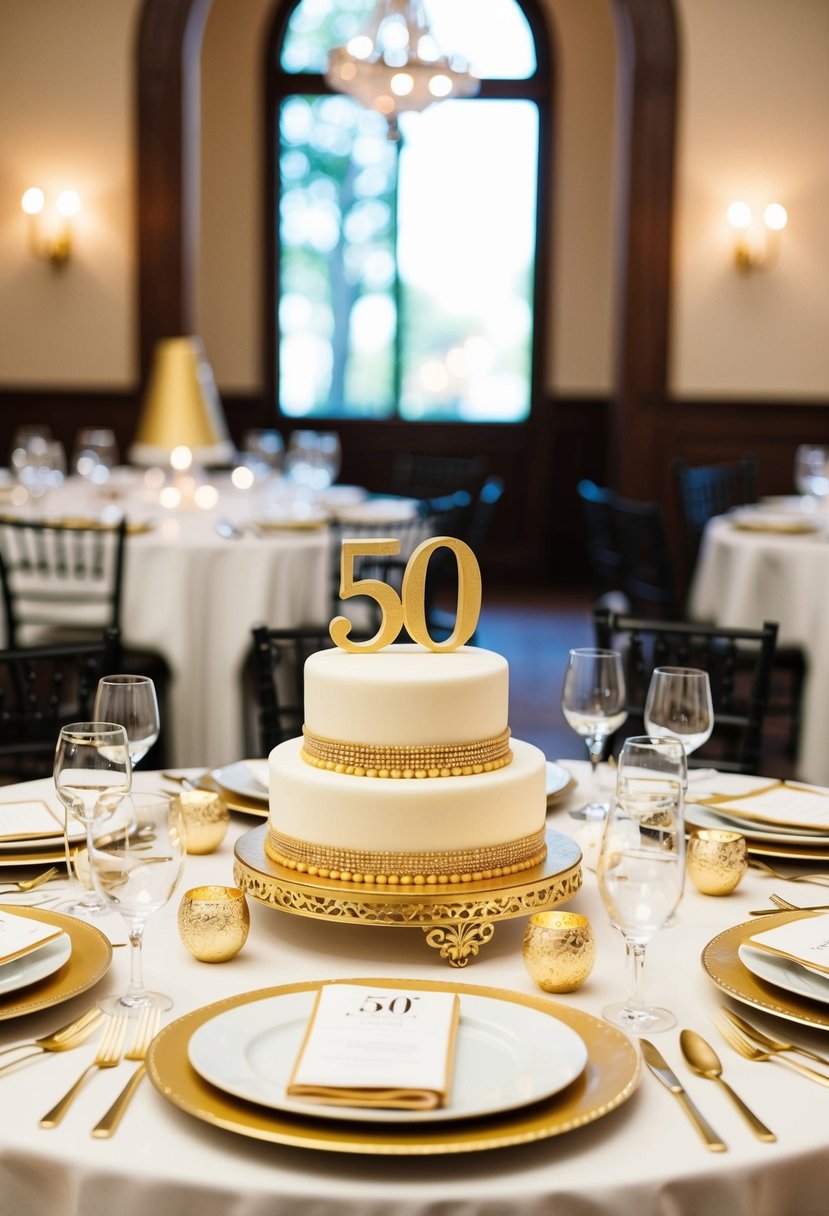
749	1042
109	1054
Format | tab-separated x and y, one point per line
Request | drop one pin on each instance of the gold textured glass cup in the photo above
213	922
559	950
716	860
206	820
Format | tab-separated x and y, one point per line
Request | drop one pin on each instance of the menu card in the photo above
28	821
804	941
386	1047
19	936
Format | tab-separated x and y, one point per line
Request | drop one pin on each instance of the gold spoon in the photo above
703	1060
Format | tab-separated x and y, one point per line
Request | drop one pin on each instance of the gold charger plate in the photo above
88	963
32	857
610	1077
238	802
721	962
795	528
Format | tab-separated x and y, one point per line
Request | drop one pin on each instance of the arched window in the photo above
405	280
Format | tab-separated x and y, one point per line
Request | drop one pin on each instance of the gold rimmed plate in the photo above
560	781
721	962
609	1078
88	962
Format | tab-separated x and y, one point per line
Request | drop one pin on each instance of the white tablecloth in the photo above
193	595
643	1159
744	578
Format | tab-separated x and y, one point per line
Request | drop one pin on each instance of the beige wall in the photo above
753	116
754	124
66	98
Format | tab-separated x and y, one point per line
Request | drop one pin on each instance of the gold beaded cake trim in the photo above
427	760
406	869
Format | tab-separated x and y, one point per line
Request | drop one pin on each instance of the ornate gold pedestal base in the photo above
457	918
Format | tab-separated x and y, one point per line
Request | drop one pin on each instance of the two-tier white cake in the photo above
406	772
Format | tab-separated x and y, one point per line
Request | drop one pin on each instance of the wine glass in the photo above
135	871
593	704
132	702
95	454
811	470
92	773
679	704
641	865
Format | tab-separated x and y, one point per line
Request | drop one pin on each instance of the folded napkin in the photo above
804	941
19	936
781	803
28	821
377	1047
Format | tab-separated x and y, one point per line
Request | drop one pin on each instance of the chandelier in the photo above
395	64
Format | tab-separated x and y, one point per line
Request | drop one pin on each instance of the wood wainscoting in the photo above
537	534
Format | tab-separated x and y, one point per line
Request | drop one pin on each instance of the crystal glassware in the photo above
135	871
641	864
811	470
593	704
679	704
92	774
132	702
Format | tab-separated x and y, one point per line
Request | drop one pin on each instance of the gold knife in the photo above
660	1069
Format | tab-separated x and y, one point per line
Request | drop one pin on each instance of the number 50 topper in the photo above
409	608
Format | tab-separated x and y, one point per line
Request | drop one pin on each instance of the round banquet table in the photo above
743	578
641	1159
193	594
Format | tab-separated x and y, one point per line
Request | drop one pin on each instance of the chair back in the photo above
738	662
418	475
648	575
279	679
708	490
43	688
60	580
604	554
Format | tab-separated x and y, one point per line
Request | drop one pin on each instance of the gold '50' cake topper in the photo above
408	608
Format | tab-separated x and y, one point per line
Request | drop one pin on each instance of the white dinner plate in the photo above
506	1056
699	816
341	496
377	510
36	965
558	780
248	778
759	519
784	973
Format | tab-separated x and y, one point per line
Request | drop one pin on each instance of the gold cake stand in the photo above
457	918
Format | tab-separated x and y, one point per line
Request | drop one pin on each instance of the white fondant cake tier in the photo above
384	814
407	695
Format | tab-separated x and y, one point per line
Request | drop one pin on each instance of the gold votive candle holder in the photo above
206	820
559	950
716	860
213	922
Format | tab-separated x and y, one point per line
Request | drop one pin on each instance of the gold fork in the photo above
821	878
63	1039
30	884
145	1032
109	1053
765	1040
744	1047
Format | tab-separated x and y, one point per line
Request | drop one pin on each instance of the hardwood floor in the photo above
534	630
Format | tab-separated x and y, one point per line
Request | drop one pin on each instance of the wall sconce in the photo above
52	243
757	243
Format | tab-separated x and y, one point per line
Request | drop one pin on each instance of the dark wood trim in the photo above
167	169
646	117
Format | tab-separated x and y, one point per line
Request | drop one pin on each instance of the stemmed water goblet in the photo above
135	871
92	774
811	470
641	865
679	704
593	704
131	701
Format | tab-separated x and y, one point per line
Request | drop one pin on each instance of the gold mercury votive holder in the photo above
716	860
213	922
206	820
559	950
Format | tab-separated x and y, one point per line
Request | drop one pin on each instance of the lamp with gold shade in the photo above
181	408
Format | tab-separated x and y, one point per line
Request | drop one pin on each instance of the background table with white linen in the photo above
643	1159
743	578
192	593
